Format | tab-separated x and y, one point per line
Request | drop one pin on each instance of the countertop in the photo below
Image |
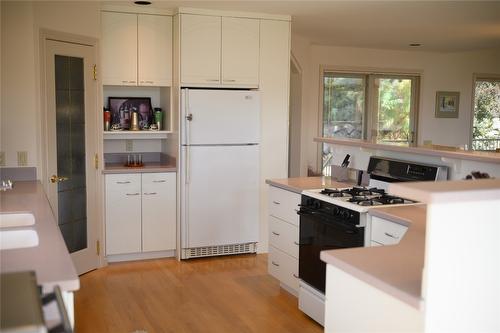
300	184
111	168
435	150
50	259
394	269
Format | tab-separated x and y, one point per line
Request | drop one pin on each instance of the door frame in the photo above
43	174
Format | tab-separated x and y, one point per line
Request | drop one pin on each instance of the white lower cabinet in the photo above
284	267
385	232
283	261
140	212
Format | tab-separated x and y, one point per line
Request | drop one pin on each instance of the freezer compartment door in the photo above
220	117
220	195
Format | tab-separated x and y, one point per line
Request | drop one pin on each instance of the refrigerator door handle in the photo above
188	162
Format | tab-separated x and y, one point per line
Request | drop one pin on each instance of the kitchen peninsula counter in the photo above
50	259
299	184
394	269
435	150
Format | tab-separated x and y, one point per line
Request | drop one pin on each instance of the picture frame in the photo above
122	107
447	104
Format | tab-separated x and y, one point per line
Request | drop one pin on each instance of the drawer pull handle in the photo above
295	276
150	193
127	182
276	203
229	80
296	243
213	80
130	194
275	233
390	235
159	181
275	264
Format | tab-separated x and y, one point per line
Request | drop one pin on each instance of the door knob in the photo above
57	179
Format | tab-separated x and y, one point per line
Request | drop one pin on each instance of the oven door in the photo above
318	233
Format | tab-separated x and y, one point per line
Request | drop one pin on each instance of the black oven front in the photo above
324	226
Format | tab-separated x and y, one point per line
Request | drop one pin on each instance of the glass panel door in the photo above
392	115
343	110
70	138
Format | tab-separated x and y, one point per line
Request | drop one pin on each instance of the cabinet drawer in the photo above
154	182
386	232
283	267
284	204
122	184
284	236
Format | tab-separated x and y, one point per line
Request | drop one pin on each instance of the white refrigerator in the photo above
220	134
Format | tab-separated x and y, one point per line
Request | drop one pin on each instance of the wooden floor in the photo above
224	294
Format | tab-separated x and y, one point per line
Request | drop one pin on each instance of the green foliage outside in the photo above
394	110
486	116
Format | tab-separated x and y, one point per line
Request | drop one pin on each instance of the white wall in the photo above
439	71
20	120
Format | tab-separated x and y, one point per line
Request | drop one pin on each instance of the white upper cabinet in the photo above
119	49
219	51
240	51
136	49
200	49
154	36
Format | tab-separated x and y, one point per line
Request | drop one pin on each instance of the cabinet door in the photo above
154	50
284	204
240	52
386	232
200	50
123	213
119	49
283	267
158	211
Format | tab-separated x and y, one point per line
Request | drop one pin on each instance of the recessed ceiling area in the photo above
440	26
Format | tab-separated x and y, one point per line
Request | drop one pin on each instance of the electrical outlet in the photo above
129	145
2	158
22	158
427	142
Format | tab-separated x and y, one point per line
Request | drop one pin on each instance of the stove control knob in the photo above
316	204
345	214
336	211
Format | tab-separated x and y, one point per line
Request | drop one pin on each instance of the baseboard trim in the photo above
140	256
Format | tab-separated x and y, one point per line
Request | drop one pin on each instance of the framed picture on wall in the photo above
447	103
122	107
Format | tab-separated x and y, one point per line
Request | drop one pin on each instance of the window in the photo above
486	123
377	107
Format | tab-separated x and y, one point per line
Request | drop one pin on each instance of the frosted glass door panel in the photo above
70	127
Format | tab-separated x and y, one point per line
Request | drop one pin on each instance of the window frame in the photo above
369	74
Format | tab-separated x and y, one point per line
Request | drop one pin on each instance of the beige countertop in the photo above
449	191
394	269
111	168
440	151
300	184
50	259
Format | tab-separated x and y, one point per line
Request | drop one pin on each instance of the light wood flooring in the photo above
221	294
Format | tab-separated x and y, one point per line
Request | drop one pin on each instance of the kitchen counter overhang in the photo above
50	259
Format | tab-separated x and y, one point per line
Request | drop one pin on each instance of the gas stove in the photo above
356	198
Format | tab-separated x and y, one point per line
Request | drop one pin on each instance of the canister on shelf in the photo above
158	118
107	119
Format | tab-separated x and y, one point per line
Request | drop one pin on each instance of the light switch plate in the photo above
129	145
2	158
22	158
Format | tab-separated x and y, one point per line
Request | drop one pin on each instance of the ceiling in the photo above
440	26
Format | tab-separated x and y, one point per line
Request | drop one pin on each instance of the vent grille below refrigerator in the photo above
219	250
